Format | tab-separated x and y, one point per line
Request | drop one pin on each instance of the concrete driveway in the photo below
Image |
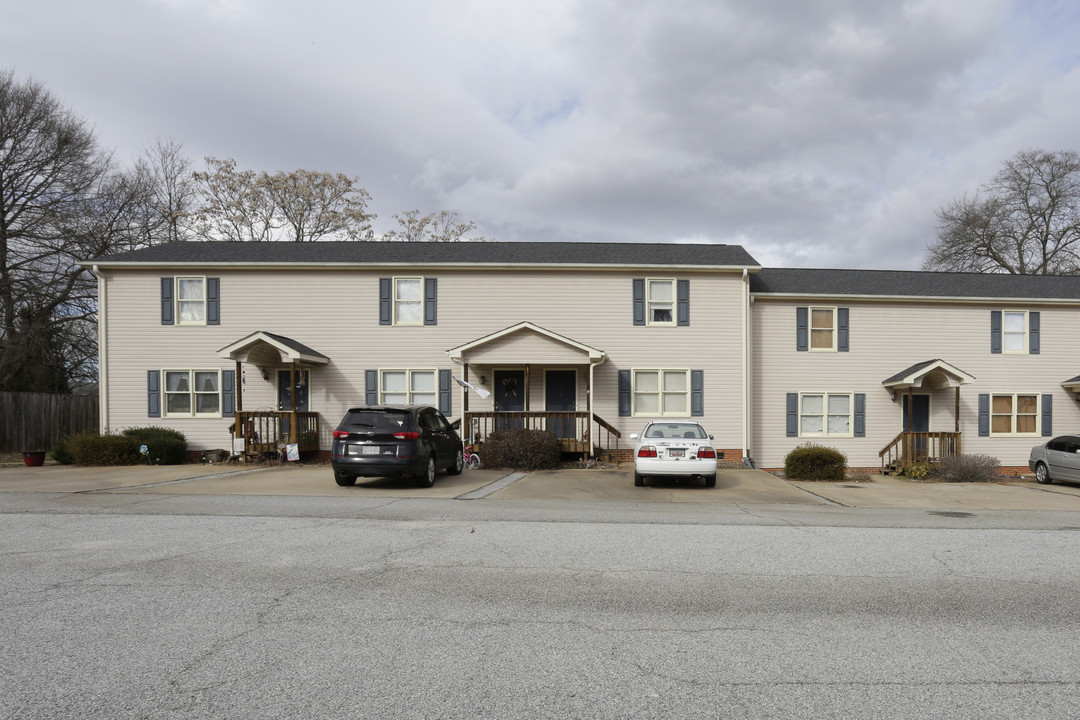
732	486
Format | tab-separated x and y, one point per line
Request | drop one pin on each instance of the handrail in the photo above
890	446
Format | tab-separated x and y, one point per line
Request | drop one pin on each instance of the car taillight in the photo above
706	452
341	434
647	451
407	435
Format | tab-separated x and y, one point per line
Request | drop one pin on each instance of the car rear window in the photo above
675	430
379	420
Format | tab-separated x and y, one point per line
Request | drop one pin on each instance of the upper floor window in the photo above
661	302
408	301
192	393
191	300
408	387
1014	332
823	328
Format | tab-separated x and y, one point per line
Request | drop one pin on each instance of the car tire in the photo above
710	481
427	478
344	479
459	463
639	480
1042	474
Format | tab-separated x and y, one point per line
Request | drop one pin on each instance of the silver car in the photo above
1057	459
679	447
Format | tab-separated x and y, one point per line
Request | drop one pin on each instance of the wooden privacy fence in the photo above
33	422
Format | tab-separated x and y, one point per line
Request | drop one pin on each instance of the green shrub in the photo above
915	471
93	449
968	468
815	462
521	450
61	453
165	446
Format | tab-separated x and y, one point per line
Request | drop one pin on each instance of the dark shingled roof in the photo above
408	253
297	346
792	281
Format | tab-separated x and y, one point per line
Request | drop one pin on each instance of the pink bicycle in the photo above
472	460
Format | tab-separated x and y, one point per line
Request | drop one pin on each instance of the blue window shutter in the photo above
153	394
445	396
802	330
860	414
995	331
697	393
167	301
431	296
385	303
1033	333
213	301
228	393
624	393
639	301
793	414
984	415
1047	415
371	387
841	329
683	301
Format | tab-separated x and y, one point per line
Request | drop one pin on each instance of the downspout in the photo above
103	351
746	419
592	393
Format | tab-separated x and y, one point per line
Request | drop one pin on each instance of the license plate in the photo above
369	449
677	452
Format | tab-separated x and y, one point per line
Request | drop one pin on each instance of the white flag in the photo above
469	386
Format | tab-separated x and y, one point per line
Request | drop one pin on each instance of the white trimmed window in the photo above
825	414
191	300
408	387
1014	331
823	328
1016	414
191	393
409	301
659	393
660	302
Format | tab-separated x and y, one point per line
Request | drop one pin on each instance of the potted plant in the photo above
33	458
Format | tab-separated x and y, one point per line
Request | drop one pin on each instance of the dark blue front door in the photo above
918	421
284	399
509	395
560	394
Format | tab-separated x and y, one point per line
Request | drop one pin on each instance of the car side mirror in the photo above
633	436
711	437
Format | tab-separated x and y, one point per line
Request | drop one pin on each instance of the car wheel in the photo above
710	481
344	479
459	464
427	478
639	480
1042	475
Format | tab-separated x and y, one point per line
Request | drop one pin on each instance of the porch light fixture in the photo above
483	381
265	373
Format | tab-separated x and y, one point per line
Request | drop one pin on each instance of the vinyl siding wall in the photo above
336	312
888	337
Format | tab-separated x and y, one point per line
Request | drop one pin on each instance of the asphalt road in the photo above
139	606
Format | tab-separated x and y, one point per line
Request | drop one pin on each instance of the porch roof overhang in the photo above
519	342
928	374
267	349
1072	384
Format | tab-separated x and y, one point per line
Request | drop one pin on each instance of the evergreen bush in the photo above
165	446
61	453
815	462
94	449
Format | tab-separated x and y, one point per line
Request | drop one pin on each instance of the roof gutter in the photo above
103	349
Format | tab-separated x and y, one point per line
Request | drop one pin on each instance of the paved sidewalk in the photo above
593	486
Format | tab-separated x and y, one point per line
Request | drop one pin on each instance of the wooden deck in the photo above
266	432
572	428
918	448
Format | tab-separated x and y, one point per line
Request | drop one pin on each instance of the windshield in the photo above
675	430
389	420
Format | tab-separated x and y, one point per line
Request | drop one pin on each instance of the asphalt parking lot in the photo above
739	486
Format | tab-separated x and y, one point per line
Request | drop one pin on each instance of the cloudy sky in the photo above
815	133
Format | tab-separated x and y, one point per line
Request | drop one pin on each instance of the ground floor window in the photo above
661	392
192	393
825	414
408	387
1014	414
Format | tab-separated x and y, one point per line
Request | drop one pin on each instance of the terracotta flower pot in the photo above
33	459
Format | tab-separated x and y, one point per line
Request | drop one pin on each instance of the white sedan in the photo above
679	447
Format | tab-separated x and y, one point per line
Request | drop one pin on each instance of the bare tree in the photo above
174	193
306	205
442	226
1026	220
314	205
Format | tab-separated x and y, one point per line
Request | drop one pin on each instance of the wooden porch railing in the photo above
572	428
910	448
264	431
